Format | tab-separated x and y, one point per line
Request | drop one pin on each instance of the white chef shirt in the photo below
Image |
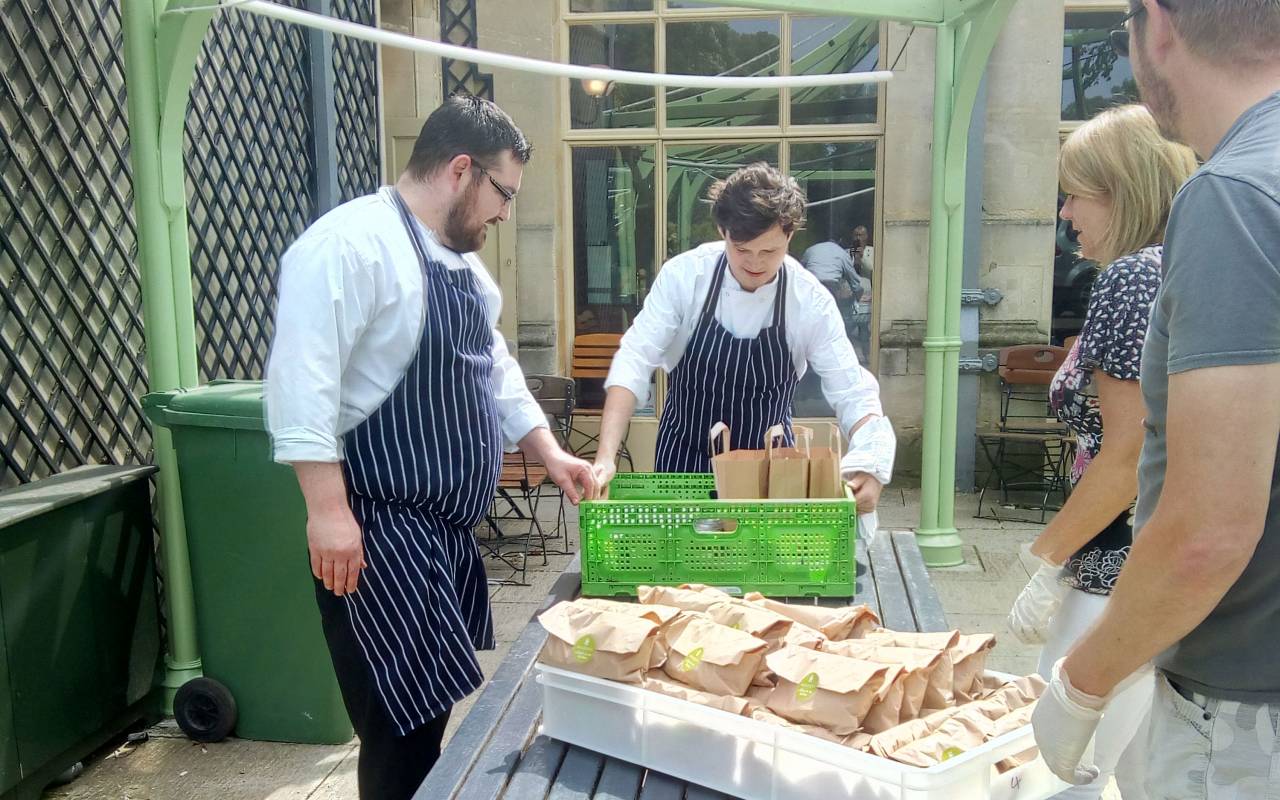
349	322
815	331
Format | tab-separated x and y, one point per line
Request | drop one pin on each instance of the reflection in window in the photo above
839	180
729	48
600	104
830	46
1093	76
691	169
604	6
613	214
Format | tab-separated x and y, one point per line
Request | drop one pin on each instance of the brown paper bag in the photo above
653	612
592	641
681	598
801	635
940	691
886	711
788	466
919	664
816	688
712	657
824	468
1019	692
657	681
756	620
739	474
765	715
833	623
959	734
884	744
970	659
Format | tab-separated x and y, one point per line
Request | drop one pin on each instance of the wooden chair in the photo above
1029	450
591	358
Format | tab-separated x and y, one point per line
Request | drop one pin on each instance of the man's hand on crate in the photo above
866	491
604	470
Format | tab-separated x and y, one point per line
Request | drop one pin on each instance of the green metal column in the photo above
168	314
962	59
938	540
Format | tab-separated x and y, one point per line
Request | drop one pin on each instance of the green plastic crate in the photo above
667	529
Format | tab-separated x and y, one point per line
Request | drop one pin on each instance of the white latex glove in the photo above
1064	722
871	450
1039	601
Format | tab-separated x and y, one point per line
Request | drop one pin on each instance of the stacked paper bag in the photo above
833	673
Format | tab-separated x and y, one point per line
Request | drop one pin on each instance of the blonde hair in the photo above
1120	155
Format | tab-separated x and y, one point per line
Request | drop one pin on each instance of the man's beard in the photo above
460	233
1157	95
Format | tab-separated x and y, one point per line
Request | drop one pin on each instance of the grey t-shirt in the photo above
1219	305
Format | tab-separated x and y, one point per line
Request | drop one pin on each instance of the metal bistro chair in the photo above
556	396
1029	450
516	501
592	355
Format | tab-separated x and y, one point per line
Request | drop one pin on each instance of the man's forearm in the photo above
1170	583
619	406
539	444
324	489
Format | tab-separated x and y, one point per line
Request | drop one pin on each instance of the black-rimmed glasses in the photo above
1120	36
508	196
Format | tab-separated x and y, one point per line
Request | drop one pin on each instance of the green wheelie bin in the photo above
267	670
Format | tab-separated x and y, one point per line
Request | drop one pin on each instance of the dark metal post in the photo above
324	120
970	383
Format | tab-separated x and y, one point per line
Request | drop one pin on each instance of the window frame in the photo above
662	135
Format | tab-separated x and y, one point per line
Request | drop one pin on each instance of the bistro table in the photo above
497	752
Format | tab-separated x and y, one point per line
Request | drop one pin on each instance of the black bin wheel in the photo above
205	710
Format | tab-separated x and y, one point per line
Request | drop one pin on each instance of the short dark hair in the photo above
754	199
1240	33
466	125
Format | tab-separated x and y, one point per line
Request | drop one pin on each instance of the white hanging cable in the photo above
502	60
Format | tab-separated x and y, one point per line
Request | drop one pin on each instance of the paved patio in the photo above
168	766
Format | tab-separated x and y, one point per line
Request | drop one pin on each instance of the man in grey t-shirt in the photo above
1200	593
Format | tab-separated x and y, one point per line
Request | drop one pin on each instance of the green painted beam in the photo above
922	12
159	58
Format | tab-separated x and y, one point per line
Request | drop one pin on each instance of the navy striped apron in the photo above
421	471
746	383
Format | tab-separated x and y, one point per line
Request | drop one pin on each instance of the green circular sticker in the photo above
807	686
951	752
584	649
691	661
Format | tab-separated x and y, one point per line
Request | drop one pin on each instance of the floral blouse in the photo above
1114	331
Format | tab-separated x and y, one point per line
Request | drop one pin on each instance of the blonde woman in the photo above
1120	177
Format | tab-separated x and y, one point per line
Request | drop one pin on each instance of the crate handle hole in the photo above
715	526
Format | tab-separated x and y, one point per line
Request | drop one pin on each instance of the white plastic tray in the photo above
760	761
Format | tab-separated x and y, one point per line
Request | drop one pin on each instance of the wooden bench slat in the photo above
538	768
895	606
864	578
695	792
578	775
659	786
468	744
502	754
620	780
929	613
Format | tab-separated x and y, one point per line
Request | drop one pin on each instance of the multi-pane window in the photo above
642	159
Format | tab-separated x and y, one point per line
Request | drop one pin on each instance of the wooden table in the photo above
497	752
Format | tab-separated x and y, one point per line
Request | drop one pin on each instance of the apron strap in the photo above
717	282
780	301
415	236
713	294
